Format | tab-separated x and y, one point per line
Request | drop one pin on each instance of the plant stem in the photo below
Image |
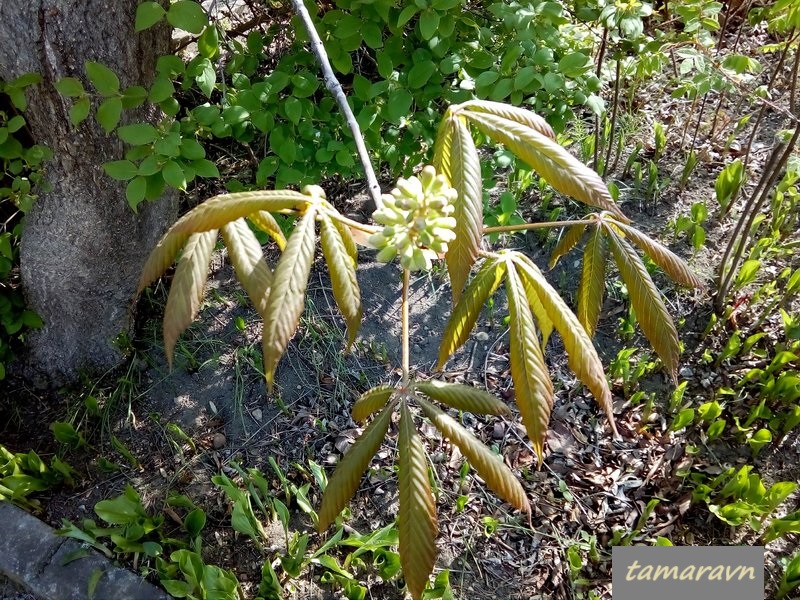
365	227
543	225
335	89
404	334
614	108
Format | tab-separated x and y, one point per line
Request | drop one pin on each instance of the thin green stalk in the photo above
404	333
614	109
543	225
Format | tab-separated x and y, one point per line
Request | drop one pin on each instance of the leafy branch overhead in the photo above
440	212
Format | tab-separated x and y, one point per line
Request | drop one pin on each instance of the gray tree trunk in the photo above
82	247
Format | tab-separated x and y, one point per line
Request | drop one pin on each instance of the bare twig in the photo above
335	89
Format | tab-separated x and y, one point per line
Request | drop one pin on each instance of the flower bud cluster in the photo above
416	219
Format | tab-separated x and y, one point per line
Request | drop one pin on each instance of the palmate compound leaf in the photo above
488	465
372	401
539	311
557	166
216	211
345	479
581	353
248	262
570	238
652	314
592	287
672	264
512	113
267	223
463	397
342	269
465	177
162	256
469	307
186	292
416	518
287	298
533	389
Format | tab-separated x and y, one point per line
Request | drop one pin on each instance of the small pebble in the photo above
218	441
482	336
257	414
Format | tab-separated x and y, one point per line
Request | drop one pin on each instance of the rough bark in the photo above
82	247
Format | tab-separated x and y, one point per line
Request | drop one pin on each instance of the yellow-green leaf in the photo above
186	292
416	518
569	239
464	397
581	353
561	170
216	211
539	311
672	264
161	258
345	479
592	287
342	269
443	147
512	113
372	401
465	166
347	238
533	390
469	307
287	298
652	314
267	223
248	262
488	465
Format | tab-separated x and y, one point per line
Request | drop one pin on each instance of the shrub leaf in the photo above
267	223
186	292
372	401
248	262
286	301
488	465
416	519
464	397
342	269
592	287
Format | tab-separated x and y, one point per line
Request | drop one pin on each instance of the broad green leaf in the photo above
651	313
372	401
569	239
161	258
186	292
488	465
344	481
512	113
465	177
729	182
672	264
561	170
216	211
79	111
342	269
205	168
138	134
469	307
121	170
248	261
533	389
581	353
463	397
208	42
287	299
592	287
108	113
267	223
148	14
103	79
187	15
174	175
135	191
416	518
70	87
